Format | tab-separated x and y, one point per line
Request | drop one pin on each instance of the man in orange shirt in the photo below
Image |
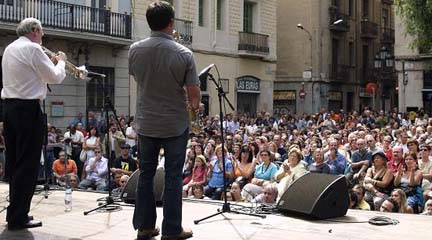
62	165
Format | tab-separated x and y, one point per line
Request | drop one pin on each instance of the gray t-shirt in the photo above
161	68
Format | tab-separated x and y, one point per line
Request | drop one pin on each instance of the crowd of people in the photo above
385	157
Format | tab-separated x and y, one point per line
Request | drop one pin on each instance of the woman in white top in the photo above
91	142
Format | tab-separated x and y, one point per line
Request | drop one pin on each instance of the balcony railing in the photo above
340	72
335	15
184	29
369	29
253	43
60	15
388	35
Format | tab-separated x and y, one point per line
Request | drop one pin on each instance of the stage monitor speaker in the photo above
316	195
128	195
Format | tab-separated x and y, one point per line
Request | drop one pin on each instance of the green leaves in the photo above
417	16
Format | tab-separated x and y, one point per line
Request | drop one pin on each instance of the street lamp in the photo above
383	60
300	26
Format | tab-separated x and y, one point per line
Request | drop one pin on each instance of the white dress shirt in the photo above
27	70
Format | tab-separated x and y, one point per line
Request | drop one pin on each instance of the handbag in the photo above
83	155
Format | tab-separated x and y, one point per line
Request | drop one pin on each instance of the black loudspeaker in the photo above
316	195
128	195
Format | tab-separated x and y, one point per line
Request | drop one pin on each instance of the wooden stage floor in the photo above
58	225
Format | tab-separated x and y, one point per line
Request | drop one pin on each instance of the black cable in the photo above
383	221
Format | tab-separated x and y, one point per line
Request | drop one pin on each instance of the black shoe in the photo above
29	224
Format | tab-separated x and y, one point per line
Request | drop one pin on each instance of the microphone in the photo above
204	73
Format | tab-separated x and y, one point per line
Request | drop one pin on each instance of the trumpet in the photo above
72	70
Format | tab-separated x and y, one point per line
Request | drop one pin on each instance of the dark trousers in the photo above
145	207
23	132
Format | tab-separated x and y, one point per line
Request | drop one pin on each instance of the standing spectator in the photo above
115	139
161	82
24	87
131	134
73	140
79	119
79	127
91	142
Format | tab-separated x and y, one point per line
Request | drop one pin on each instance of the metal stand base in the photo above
227	209
109	205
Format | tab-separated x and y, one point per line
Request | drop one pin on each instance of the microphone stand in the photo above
226	206
109	204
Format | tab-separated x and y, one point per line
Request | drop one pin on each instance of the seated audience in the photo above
389	205
63	166
359	190
216	176
318	165
408	178
291	170
399	196
428	208
96	170
124	164
199	175
378	180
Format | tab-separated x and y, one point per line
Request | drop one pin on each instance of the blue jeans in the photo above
145	206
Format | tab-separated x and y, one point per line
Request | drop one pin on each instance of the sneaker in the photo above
185	234
147	234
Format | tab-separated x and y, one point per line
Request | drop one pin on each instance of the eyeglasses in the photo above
61	155
424	149
97	151
123	181
263	154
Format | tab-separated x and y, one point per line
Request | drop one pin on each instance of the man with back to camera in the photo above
26	72
163	70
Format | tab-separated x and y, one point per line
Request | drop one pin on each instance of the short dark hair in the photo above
159	14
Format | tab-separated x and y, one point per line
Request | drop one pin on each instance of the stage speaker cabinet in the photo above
128	195
316	195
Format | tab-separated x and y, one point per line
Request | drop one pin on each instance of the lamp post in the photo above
382	62
405	83
300	26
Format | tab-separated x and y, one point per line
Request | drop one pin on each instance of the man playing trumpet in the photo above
26	72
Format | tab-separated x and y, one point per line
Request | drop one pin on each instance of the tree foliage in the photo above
417	16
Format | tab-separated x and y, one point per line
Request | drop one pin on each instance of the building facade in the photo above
238	36
94	33
414	74
328	53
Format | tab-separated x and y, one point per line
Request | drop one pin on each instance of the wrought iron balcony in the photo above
388	35
336	15
340	72
184	29
254	44
369	29
66	16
